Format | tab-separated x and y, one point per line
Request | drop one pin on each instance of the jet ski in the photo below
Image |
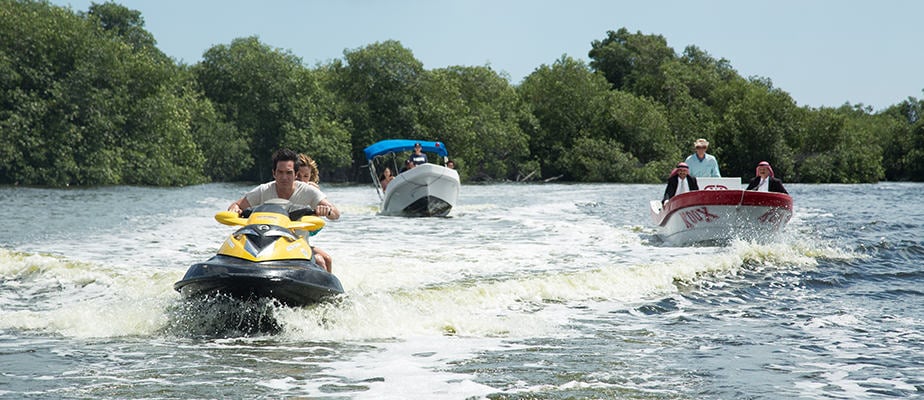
268	257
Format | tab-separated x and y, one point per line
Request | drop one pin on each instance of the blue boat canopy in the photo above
399	145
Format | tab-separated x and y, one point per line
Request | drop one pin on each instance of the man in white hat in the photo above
703	165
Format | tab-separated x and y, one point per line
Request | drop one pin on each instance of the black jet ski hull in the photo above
291	282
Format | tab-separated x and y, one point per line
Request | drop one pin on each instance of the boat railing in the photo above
709	183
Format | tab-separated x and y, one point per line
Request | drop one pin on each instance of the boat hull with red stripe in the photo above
718	216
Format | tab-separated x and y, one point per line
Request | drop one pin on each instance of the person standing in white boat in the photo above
679	182
703	165
765	181
418	157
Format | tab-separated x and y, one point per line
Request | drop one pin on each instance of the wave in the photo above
525	291
77	299
521	271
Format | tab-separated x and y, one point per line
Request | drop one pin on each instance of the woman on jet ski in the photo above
308	173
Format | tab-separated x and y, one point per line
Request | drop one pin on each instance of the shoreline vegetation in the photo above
87	99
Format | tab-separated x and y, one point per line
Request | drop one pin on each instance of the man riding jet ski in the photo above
286	164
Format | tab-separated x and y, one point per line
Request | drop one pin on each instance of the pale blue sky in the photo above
824	53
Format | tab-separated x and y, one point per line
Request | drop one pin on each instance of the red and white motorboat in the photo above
719	212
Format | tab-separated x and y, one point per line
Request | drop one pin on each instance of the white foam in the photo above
414	368
424	294
86	300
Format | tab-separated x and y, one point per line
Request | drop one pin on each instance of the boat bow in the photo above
716	216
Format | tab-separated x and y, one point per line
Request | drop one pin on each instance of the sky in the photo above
824	53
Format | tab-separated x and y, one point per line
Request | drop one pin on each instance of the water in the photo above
525	292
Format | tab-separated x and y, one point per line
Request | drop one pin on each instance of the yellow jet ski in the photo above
268	257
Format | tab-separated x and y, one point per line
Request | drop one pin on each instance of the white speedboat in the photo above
427	190
719	212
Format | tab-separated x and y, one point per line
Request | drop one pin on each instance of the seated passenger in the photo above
308	173
679	182
765	181
307	170
408	164
386	177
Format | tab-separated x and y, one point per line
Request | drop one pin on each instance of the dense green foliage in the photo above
274	102
86	98
82	104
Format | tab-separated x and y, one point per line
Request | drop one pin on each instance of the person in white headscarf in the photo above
679	182
765	181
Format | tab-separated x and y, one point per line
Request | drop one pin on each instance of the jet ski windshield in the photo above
293	215
270	208
280	206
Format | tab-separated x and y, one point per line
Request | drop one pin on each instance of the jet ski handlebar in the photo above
300	219
294	215
301	212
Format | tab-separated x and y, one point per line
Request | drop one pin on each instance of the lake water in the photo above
549	291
